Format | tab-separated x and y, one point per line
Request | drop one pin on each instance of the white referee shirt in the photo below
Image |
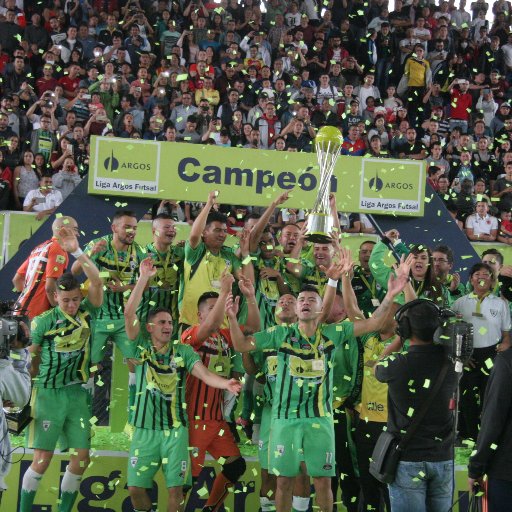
489	327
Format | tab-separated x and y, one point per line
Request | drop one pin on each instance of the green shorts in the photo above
61	414
151	449
266	422
307	439
114	330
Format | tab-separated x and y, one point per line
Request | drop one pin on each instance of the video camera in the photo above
12	336
456	336
11	330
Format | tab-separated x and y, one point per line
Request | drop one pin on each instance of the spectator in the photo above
65	180
43	200
482	227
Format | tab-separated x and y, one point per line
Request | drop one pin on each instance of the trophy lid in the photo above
329	135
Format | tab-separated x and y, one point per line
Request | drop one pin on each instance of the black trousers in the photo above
499	495
374	493
472	391
345	477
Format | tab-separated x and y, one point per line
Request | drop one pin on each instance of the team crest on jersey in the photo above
321	349
494	312
133	461
133	264
228	263
46	425
60	259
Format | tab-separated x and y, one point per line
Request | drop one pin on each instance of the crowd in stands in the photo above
418	80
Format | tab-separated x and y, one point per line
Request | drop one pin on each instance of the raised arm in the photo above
377	320
241	342
216	316
252	324
69	242
200	223
263	221
131	323
349	297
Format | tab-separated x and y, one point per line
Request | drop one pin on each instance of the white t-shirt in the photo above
43	202
495	319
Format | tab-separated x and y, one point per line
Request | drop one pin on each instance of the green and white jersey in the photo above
123	265
65	343
160	385
164	287
304	382
266	360
267	291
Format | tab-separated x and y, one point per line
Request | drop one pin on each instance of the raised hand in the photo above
268	272
245	239
396	284
67	239
147	268
455	282
246	287
226	282
282	198
335	271
232	305
404	267
99	246
212	198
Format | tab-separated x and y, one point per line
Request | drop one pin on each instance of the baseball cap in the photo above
308	83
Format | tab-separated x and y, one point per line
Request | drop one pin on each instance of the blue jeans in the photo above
422	487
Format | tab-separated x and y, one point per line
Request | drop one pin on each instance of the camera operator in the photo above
14	382
424	477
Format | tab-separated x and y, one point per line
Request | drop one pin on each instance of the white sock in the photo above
267	505
31	480
255	434
300	504
70	482
132	380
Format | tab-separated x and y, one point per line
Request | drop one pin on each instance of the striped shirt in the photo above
160	385
122	265
66	344
205	402
304	382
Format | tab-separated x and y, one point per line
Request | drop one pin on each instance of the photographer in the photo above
14	384
424	476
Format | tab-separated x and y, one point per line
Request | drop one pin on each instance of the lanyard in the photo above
116	259
318	338
420	287
372	287
81	322
479	304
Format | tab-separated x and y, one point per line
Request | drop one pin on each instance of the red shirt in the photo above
43	85
69	84
461	105
47	260
204	402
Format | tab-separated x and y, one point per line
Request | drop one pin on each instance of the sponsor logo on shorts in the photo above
46	425
327	467
133	461
280	449
260	444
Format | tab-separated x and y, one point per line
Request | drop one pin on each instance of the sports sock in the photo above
267	505
132	387
30	483
69	490
300	504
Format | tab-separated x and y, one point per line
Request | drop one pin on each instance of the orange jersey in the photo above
204	402
47	260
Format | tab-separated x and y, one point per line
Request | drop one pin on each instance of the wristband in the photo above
332	282
77	253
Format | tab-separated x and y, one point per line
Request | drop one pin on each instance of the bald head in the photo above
63	222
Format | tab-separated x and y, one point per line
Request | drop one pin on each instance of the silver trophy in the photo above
328	143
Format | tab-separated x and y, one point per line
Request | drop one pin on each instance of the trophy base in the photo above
319	228
17	420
